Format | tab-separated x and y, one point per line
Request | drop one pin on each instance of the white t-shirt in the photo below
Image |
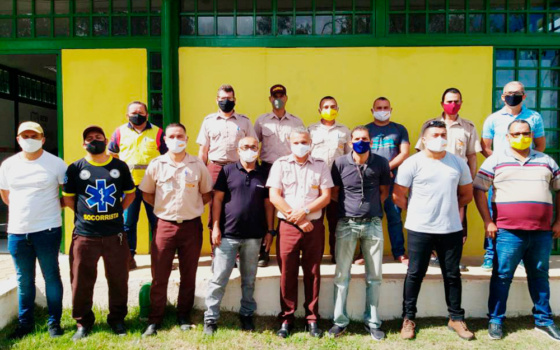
33	185
433	204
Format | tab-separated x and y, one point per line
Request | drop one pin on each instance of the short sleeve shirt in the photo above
329	142
387	139
300	184
359	194
433	203
274	134
178	187
222	135
99	189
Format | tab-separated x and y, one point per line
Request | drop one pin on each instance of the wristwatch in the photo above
272	232
307	211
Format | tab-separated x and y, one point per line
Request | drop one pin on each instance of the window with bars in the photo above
36	90
79	18
4	81
276	18
155	88
474	16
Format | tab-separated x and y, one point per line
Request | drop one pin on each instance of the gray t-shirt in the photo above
433	205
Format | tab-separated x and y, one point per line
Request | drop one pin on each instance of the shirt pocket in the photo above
460	145
190	180
289	182
165	182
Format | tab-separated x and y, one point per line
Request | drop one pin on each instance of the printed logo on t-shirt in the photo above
101	195
85	174
115	173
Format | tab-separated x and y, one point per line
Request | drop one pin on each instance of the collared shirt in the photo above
243	214
329	142
178	187
495	126
274	134
521	198
462	138
387	139
222	135
300	184
359	194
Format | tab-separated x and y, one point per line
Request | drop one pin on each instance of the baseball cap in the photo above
93	128
278	89
25	126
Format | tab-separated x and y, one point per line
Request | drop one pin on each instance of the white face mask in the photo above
300	149
248	156
382	115
175	145
30	145
436	145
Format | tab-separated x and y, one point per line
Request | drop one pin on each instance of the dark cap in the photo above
278	89
93	128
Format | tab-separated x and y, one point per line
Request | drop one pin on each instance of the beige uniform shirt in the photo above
462	138
300	184
329	142
274	134
178	188
222	135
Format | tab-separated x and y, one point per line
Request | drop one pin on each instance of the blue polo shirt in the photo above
243	215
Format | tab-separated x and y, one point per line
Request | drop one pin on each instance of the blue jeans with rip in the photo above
534	248
26	249
131	216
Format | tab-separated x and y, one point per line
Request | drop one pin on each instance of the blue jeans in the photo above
489	242
222	265
394	225
534	248
131	215
370	234
26	249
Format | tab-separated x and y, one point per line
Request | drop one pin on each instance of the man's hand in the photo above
296	216
491	229
216	237
267	241
464	239
306	225
556	229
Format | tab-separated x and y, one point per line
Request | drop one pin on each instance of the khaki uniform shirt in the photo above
178	188
223	134
329	142
462	138
300	184
274	134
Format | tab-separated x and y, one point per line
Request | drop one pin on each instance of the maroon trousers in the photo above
214	170
289	244
331	212
84	255
185	239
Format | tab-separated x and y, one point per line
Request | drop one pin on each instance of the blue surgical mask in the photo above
361	147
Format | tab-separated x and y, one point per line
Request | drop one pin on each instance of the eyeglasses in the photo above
514	93
436	124
517	134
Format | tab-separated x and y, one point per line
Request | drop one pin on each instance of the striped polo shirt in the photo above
522	198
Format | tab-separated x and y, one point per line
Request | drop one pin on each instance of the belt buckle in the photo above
179	221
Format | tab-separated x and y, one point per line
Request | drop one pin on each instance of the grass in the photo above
432	334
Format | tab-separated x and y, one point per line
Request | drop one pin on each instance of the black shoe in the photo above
336	331
20	332
285	330
314	330
210	327
55	330
495	331
118	328
463	268
82	332
376	333
264	258
151	330
247	323
434	261
552	331
185	323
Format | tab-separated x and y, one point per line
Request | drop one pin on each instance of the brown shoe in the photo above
132	264
403	259
460	327
408	330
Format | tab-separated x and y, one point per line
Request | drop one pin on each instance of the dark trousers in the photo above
263	254
449	248
185	239
289	244
84	255
331	212
131	217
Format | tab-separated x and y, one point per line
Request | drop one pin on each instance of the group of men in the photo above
305	174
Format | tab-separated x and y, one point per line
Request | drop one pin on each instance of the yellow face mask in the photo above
329	114
521	142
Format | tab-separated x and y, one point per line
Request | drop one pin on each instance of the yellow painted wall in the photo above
97	85
412	78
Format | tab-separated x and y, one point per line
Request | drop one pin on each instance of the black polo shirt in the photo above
359	194
243	214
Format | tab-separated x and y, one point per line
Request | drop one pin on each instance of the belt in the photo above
138	167
356	219
180	221
219	163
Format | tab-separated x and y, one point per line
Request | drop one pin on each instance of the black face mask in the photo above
226	106
137	119
96	147
513	100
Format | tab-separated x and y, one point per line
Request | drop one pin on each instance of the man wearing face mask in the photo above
300	187
178	185
330	140
522	205
243	218
29	184
137	143
361	181
273	129
494	138
98	188
390	141
441	184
